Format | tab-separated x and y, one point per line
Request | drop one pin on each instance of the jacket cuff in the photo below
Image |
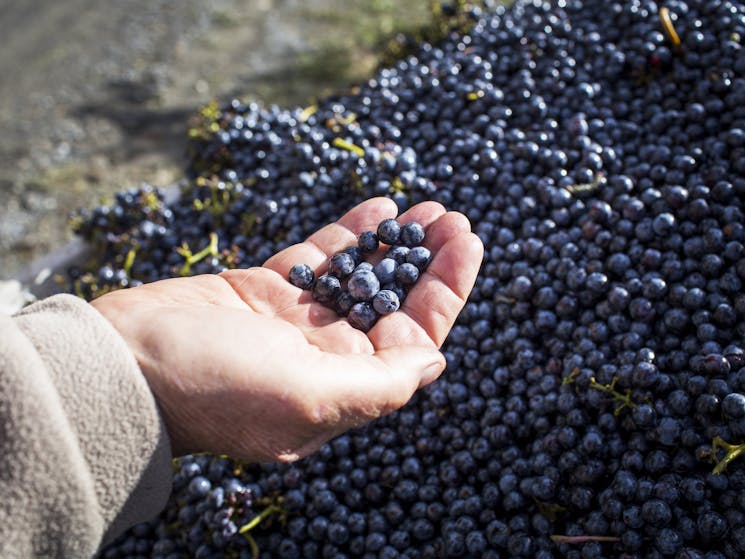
109	406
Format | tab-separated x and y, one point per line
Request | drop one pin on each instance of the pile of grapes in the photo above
360	290
594	400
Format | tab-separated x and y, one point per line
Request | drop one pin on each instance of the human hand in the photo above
246	364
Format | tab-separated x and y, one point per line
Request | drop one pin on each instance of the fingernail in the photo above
432	372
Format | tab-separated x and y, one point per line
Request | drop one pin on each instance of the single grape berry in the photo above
407	274
302	276
386	302
733	405
343	303
389	231
363	267
362	316
341	265
363	285
399	253
385	270
397	289
419	257
368	242
356	254
711	526
412	234
656	512
199	487
326	288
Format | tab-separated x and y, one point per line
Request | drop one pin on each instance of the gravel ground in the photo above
97	96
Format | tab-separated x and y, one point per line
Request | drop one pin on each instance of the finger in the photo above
443	289
338	336
263	290
444	229
333	237
425	213
433	305
350	390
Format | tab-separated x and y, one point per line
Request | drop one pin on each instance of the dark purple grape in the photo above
363	285
362	316
411	235
407	274
389	231
326	288
302	276
398	253
385	270
385	302
420	257
368	242
341	265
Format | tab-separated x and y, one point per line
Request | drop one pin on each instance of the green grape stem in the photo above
349	146
253	545
308	112
549	510
184	251
571	377
584	187
624	399
732	452
129	261
397	186
256	520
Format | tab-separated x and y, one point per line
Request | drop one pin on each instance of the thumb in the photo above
420	363
364	387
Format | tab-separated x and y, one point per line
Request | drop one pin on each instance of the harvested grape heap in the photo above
594	400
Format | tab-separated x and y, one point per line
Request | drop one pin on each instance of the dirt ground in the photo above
97	96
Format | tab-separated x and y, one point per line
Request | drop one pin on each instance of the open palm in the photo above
244	363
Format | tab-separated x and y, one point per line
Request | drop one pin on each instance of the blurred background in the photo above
97	96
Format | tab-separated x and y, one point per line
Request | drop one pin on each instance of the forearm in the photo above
83	452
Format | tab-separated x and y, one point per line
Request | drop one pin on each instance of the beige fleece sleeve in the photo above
83	451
